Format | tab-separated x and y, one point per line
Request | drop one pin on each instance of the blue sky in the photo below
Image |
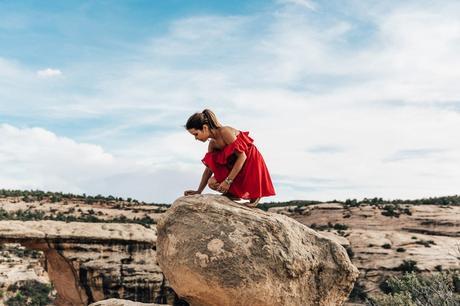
344	98
96	34
43	33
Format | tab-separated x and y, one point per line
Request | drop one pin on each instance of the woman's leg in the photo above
212	183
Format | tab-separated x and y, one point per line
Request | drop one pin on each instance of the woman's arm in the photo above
204	179
207	172
241	158
229	137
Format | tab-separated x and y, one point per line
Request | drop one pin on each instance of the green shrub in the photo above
349	250
340	226
30	293
358	293
384	286
406	211
456	281
395	210
426	243
351	203
145	221
398	299
400	250
18	300
408	266
386	246
417	290
391	210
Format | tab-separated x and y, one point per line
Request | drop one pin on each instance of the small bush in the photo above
385	287
408	266
18	300
358	293
456	281
340	226
351	203
417	290
400	250
349	250
386	246
321	227
426	243
30	293
399	299
391	210
406	211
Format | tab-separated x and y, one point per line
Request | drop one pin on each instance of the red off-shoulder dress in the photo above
253	181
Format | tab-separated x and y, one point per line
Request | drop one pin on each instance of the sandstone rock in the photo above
369	229
18	266
216	252
118	302
88	262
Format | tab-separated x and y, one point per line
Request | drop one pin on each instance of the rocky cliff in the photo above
388	239
215	252
88	262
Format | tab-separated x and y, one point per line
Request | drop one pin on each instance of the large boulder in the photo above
119	302
216	252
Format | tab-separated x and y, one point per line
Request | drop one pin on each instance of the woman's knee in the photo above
212	183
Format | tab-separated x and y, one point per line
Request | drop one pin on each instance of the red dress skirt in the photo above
253	180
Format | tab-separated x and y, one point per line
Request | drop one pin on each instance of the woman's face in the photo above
201	135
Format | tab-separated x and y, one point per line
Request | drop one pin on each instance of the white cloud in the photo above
34	158
49	73
43	159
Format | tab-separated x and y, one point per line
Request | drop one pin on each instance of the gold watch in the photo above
228	181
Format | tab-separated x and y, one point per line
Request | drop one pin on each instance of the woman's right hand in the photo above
191	192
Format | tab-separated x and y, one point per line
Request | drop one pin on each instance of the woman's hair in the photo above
197	120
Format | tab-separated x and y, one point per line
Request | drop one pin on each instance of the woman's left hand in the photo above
223	187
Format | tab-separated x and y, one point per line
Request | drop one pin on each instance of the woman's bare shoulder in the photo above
228	134
229	130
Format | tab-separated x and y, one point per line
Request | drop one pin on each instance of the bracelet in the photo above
228	181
